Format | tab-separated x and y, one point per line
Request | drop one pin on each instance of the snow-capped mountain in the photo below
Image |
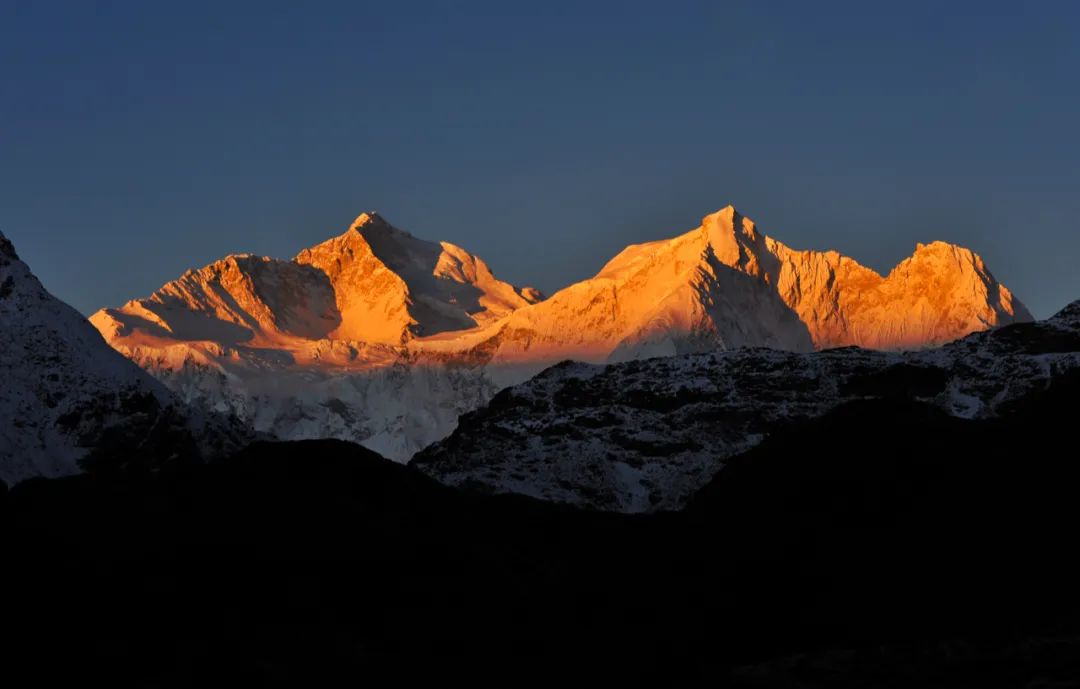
645	435
726	285
67	394
392	287
374	284
316	347
381	338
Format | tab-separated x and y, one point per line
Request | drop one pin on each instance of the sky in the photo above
138	140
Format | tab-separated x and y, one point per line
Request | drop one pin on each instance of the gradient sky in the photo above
141	139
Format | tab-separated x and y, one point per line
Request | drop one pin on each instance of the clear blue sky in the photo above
138	139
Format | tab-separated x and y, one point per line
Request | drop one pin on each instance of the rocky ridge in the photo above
646	435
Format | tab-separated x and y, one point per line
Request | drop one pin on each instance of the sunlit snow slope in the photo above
382	338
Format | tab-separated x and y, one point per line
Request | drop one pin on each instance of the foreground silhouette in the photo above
917	549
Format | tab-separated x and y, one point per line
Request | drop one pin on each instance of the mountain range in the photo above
385	339
815	515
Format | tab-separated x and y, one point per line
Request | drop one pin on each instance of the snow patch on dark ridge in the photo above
646	435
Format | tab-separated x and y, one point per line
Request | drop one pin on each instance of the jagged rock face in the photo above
65	392
375	333
645	435
939	294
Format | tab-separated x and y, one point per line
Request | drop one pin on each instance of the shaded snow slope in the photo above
66	392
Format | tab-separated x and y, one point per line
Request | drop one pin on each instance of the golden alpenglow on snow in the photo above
382	338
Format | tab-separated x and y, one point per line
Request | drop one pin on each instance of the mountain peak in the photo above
7	249
370	220
372	232
728	233
1068	316
727	212
939	246
370	235
945	257
731	221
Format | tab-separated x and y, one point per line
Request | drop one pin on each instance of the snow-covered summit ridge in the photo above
726	284
373	284
720	286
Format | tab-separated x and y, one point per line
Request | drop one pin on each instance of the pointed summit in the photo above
372	222
367	218
700	291
733	238
392	287
726	215
374	283
1068	317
